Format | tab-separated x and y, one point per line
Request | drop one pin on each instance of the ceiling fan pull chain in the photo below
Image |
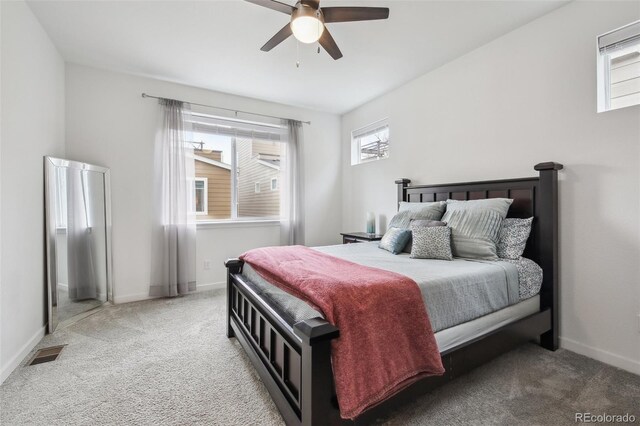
320	24
297	54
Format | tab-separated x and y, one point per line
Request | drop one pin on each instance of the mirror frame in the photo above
50	164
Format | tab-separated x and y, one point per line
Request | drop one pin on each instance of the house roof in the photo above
212	162
275	164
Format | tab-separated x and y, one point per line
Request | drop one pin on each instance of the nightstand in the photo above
359	237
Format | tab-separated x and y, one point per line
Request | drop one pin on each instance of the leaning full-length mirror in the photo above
78	225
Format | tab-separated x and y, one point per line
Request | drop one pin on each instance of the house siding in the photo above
218	188
251	171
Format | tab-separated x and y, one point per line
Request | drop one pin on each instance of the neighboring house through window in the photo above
240	160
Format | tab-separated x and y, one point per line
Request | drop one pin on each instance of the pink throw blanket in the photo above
386	342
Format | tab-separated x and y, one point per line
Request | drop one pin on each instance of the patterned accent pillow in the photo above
395	239
431	242
529	276
475	225
421	222
513	237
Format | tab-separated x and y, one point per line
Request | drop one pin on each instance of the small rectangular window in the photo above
257	187
370	142
201	196
619	68
274	184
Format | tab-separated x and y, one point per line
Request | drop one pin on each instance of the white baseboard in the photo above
145	296
211	286
601	355
22	353
132	298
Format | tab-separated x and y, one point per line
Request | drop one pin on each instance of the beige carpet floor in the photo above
168	362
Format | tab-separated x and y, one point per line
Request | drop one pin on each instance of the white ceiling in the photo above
216	44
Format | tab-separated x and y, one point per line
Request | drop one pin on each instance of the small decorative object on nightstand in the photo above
359	237
371	223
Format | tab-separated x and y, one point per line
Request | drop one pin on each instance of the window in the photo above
202	201
370	143
619	68
274	184
240	159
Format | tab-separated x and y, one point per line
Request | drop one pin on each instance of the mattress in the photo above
467	331
454	292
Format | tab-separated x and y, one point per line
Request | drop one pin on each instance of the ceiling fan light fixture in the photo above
307	24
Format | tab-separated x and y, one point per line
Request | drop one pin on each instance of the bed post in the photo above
234	266
317	375
547	205
402	189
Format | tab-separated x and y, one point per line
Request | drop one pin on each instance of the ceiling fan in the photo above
308	21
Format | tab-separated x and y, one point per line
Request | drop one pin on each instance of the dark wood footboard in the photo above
292	359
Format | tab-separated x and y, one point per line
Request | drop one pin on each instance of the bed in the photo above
290	345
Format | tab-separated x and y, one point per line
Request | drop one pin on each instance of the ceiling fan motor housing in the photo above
307	22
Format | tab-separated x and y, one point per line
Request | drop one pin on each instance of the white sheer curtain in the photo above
173	266
292	189
81	268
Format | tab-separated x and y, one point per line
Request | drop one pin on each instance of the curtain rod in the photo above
144	95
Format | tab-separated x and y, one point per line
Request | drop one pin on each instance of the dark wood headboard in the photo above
534	196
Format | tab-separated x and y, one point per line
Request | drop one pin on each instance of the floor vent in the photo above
46	355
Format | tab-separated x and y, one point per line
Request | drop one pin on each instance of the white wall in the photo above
108	123
528	97
220	242
32	126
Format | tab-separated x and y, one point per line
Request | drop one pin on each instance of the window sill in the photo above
373	160
213	224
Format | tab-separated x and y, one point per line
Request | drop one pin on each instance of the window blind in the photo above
371	129
620	38
224	126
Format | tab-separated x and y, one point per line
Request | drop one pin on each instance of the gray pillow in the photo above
475	225
513	237
431	242
411	211
395	239
436	206
426	222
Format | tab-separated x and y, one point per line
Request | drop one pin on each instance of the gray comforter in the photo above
453	291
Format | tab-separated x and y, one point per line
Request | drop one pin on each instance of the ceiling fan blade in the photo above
349	14
280	36
312	3
329	44
274	5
